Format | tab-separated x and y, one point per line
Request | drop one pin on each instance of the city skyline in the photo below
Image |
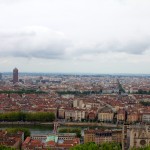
102	37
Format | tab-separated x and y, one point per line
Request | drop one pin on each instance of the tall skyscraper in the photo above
15	75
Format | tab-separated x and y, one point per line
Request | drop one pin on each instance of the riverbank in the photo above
67	124
33	126
24	123
88	124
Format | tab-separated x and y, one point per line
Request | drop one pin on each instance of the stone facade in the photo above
139	136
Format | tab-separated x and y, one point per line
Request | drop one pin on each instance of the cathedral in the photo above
139	136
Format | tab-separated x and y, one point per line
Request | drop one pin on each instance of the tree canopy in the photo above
79	92
71	130
93	146
145	103
2	147
141	148
23	91
15	130
21	116
140	91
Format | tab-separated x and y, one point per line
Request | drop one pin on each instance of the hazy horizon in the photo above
79	73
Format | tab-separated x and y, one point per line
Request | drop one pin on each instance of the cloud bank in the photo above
42	42
39	42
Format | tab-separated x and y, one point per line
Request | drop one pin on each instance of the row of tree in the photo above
145	103
140	91
121	89
23	91
71	130
22	116
93	146
79	92
15	130
2	147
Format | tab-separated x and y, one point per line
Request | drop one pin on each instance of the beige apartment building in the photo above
106	114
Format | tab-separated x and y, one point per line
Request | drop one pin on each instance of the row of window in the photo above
103	134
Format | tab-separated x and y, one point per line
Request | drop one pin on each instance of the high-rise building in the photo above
15	75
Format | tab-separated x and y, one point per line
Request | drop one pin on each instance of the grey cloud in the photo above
35	42
41	42
137	47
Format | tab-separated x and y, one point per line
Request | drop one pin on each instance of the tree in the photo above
93	146
20	116
87	146
15	130
71	130
2	147
145	103
141	148
110	146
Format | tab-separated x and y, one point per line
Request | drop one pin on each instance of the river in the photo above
39	131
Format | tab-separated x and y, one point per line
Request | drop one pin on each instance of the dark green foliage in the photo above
120	87
145	103
40	116
93	146
87	146
2	147
144	148
79	93
38	126
110	146
23	91
20	116
71	130
15	130
142	92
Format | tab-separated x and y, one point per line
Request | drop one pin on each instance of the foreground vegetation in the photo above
104	146
93	146
21	116
2	147
144	148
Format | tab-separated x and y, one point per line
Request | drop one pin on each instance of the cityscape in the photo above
74	74
79	108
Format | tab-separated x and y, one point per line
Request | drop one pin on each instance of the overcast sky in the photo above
80	36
